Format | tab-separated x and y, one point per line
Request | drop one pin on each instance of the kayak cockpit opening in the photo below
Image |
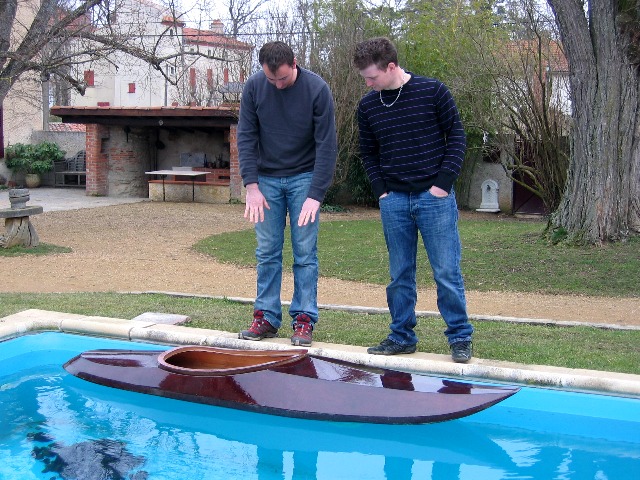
207	361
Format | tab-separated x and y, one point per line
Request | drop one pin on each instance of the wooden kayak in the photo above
290	383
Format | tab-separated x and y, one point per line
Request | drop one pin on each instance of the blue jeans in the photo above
403	216
286	195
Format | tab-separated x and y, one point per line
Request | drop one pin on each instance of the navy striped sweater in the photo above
414	144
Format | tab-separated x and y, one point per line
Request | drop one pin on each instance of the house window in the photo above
132	88
89	78
172	70
209	52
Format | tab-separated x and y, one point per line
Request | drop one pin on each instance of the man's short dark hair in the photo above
275	54
377	51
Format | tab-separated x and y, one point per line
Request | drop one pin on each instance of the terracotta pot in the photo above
32	180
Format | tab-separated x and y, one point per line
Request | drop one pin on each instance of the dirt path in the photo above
146	246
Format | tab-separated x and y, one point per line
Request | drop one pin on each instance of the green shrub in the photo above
39	158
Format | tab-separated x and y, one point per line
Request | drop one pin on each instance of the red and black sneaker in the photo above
259	329
302	331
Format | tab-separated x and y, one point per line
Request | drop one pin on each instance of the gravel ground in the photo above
146	246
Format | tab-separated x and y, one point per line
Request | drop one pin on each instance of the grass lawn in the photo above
498	255
42	249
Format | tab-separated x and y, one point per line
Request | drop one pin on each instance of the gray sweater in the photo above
287	132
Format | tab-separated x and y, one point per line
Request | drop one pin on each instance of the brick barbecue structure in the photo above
122	143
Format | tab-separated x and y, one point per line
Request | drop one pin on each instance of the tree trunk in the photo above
601	201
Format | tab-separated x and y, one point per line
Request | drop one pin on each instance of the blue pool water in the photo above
56	426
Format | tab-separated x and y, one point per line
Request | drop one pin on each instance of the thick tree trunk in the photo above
602	198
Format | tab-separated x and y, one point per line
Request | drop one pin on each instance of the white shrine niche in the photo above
489	197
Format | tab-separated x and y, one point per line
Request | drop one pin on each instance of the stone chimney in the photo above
217	27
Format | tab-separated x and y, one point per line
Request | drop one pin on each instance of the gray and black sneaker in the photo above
302	331
461	352
259	329
389	347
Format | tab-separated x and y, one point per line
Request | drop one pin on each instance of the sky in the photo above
216	9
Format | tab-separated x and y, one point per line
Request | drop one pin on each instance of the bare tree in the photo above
342	25
242	14
602	43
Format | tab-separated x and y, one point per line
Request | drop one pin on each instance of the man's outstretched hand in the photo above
308	213
255	204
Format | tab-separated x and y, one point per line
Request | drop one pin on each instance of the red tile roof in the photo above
551	51
177	110
67	127
211	38
170	20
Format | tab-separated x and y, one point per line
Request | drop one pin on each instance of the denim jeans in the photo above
403	216
286	195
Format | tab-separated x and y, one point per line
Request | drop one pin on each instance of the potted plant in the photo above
32	160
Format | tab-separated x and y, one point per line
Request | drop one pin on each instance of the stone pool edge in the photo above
593	381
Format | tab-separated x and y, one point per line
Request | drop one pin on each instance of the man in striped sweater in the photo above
412	145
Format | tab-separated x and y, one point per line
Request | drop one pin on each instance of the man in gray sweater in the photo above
287	150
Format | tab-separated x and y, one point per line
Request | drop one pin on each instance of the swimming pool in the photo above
56	426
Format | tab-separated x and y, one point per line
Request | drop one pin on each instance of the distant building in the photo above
199	64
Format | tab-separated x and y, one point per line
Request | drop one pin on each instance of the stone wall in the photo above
173	191
177	142
70	142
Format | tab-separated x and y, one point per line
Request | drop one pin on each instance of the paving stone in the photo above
164	318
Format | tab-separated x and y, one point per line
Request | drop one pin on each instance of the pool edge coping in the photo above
592	381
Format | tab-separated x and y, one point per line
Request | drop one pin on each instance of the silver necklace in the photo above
397	97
